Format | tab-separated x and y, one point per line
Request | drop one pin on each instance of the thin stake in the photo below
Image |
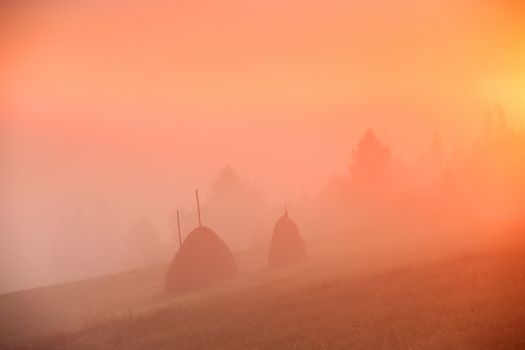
178	226
198	206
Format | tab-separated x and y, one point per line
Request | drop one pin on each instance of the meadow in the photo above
433	293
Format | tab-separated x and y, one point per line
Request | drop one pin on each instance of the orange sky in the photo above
256	84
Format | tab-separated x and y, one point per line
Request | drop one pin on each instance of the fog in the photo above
71	203
112	116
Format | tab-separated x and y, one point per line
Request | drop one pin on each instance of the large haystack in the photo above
202	259
286	246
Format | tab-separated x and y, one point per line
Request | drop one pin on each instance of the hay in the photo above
286	246
203	259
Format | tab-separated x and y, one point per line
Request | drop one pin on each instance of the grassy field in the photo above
392	295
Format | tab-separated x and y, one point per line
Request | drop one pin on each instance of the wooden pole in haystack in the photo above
198	206
178	227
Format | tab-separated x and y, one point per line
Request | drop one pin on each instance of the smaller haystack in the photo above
202	259
286	246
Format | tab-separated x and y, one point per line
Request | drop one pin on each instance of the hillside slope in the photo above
370	299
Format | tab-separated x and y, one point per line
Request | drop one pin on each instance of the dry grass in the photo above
473	301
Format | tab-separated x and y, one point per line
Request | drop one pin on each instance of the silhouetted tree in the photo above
496	126
228	183
234	208
370	166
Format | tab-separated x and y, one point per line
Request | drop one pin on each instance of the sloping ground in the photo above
472	302
379	290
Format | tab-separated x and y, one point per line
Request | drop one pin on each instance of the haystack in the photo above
202	259
286	246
